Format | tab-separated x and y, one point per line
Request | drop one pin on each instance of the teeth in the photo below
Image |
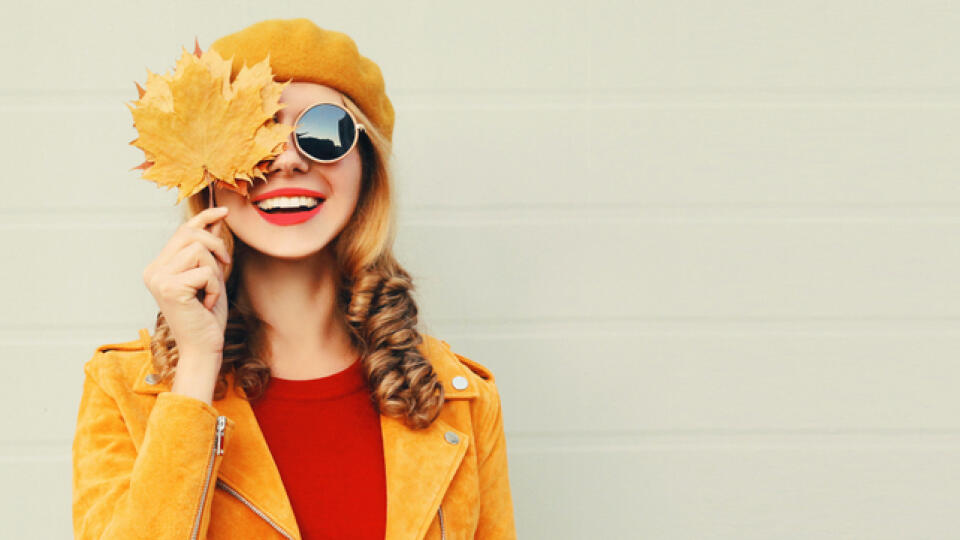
288	202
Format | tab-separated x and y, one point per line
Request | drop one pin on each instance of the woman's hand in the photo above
184	269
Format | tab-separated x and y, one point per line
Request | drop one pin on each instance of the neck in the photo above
306	335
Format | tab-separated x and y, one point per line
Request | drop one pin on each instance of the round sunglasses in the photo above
326	132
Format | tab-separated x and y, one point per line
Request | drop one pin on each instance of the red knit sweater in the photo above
324	435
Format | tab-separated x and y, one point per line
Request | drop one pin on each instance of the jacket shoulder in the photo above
456	363
479	369
487	418
119	361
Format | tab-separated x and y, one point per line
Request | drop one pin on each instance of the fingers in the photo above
192	256
206	217
193	270
194	259
193	231
203	278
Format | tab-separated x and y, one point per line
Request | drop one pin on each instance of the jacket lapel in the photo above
248	466
419	464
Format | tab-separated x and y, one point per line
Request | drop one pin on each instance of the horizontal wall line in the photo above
550	98
451	329
519	442
109	217
720	327
565	443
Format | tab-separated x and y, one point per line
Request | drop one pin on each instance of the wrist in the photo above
199	361
196	376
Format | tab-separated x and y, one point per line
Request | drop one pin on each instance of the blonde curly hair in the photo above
374	298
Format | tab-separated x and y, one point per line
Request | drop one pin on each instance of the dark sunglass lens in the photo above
325	132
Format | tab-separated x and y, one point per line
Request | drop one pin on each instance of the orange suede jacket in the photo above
150	463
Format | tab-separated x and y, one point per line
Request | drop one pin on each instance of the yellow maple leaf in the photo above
195	126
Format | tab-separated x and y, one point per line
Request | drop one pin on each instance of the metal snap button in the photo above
151	379
459	382
451	437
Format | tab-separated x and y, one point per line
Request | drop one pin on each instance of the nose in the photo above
289	160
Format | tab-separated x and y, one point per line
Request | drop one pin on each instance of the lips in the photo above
289	218
288	192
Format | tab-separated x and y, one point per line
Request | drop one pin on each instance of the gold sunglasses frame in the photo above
357	128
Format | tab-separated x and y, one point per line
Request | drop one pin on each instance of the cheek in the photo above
229	198
352	178
238	208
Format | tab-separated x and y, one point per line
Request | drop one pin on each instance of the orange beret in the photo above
302	51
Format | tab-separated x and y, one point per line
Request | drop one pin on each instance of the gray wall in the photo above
709	249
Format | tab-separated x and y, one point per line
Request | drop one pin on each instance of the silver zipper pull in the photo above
221	427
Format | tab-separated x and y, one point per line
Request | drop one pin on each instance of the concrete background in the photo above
708	249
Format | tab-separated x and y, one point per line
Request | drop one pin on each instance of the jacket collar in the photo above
419	464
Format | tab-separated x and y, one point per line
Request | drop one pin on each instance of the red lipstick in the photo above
288	217
289	192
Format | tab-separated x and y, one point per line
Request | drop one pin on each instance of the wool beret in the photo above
302	51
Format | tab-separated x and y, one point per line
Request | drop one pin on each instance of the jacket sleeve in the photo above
496	503
164	489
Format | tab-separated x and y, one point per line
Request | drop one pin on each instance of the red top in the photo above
325	438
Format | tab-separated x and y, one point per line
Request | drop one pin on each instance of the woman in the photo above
286	392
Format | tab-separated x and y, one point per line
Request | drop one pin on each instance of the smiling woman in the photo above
289	234
294	172
286	391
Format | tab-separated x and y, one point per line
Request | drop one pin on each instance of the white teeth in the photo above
288	202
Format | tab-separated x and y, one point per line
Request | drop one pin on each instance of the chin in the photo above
288	253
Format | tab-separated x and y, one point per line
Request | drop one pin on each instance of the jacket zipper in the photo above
230	490
217	451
